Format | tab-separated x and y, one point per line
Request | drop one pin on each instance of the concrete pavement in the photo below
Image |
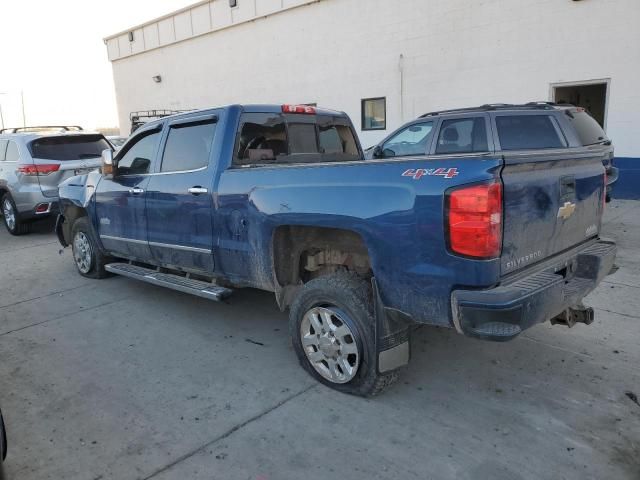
115	379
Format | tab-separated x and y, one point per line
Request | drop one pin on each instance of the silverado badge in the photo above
566	210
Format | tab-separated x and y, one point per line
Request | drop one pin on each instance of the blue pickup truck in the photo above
485	220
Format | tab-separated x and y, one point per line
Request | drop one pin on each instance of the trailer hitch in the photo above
572	315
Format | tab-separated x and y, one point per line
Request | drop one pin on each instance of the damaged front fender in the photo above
76	200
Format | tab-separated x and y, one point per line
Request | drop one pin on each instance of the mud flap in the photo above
59	232
393	329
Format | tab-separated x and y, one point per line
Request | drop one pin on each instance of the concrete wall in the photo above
421	55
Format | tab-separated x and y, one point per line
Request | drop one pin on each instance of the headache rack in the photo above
64	128
137	117
500	106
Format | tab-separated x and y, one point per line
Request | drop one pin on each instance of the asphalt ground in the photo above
116	379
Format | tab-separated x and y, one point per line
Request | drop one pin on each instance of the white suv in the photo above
34	161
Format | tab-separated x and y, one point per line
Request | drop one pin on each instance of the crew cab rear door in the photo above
179	197
553	192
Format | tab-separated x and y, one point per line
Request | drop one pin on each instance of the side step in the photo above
168	280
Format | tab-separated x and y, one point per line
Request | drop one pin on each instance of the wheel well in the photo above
71	214
303	253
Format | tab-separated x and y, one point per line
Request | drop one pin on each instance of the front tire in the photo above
332	327
10	215
87	256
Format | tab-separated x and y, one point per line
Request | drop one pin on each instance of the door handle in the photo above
197	190
136	191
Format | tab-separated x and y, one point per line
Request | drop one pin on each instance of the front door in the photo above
179	197
120	200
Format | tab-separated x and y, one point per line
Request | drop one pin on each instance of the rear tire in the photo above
88	258
11	219
332	327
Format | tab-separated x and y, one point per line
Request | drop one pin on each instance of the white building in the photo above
414	56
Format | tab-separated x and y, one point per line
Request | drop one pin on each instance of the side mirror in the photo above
388	153
108	164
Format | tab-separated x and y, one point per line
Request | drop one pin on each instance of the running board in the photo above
168	280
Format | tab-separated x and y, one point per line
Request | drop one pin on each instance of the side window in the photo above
587	128
12	154
374	114
188	147
527	132
263	137
413	140
463	135
3	149
138	158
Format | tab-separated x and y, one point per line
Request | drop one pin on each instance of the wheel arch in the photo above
303	252
71	213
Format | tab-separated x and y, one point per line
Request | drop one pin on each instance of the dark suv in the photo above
521	127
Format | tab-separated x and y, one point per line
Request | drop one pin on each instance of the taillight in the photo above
474	216
298	109
34	170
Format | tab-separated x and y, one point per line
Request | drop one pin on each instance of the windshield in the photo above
69	147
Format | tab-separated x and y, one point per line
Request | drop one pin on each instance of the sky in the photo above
53	51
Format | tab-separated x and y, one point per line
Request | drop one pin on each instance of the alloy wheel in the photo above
82	252
329	344
9	214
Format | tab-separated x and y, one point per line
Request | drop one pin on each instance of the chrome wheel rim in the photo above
329	344
82	252
9	214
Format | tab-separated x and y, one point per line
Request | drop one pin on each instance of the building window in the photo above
374	113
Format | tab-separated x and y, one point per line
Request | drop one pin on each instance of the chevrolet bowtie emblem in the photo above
566	210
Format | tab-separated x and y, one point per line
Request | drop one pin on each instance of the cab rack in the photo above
137	121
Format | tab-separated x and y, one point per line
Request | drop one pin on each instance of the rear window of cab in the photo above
276	138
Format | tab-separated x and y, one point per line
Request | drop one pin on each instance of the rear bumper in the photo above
43	209
504	312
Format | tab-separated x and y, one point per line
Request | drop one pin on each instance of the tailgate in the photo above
60	157
65	169
553	200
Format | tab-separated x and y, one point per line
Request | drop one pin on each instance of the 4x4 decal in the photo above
418	173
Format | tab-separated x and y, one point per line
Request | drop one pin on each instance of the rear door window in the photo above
69	147
528	132
12	154
188	147
463	135
587	128
413	140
